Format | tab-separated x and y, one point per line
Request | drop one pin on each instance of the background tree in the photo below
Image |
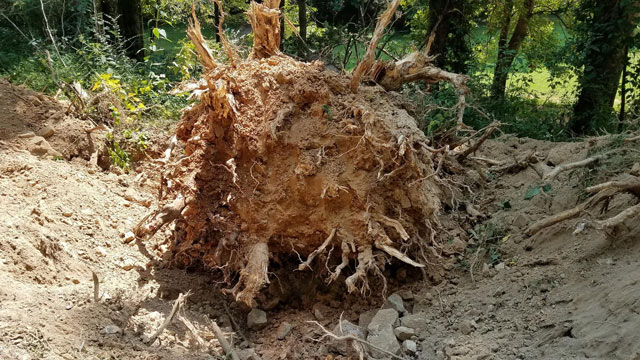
450	26
605	33
508	48
302	18
128	16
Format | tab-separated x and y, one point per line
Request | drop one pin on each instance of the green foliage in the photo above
120	157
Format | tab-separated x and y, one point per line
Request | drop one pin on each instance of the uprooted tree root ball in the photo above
283	158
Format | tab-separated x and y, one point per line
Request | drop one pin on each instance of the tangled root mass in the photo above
282	159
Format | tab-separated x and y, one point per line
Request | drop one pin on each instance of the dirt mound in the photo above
46	127
283	159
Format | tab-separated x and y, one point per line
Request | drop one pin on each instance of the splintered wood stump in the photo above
284	160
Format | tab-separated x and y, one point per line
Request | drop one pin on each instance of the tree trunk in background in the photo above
302	15
216	20
282	33
448	23
507	53
132	28
609	31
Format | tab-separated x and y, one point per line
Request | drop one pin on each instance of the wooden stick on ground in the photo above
228	349
96	287
569	166
177	305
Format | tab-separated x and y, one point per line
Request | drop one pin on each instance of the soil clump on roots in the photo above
282	158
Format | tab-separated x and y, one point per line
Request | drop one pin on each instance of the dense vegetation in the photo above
545	68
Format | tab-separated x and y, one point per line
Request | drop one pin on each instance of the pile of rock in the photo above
391	328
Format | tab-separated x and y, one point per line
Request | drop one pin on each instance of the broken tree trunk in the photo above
283	160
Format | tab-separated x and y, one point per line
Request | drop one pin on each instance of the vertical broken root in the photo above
307	264
254	276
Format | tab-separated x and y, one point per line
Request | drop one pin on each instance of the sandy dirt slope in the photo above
553	296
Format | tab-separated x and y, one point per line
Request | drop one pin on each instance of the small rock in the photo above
111	330
365	318
455	246
67	214
127	265
485	268
406	295
101	251
256	319
283	330
384	338
635	170
417	322
69	306
395	302
46	132
520	221
383	318
248	354
27	135
75	281
87	212
404	333
409	347
342	329
128	237
317	313
466	327
38	146
500	266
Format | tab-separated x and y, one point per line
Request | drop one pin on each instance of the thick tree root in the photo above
151	223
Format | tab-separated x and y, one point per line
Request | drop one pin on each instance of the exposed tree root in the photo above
278	151
317	251
603	194
574	165
151	223
254	275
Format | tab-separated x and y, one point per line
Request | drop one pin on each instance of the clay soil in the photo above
552	296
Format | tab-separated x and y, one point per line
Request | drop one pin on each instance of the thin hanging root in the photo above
397	254
383	242
365	263
254	276
317	251
611	225
394	224
346	250
147	228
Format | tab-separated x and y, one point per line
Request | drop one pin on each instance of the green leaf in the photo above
506	204
532	192
546	188
156	33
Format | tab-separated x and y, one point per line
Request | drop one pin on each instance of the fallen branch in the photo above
177	305
193	330
353	338
228	349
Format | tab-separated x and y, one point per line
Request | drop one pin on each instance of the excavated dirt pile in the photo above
283	159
